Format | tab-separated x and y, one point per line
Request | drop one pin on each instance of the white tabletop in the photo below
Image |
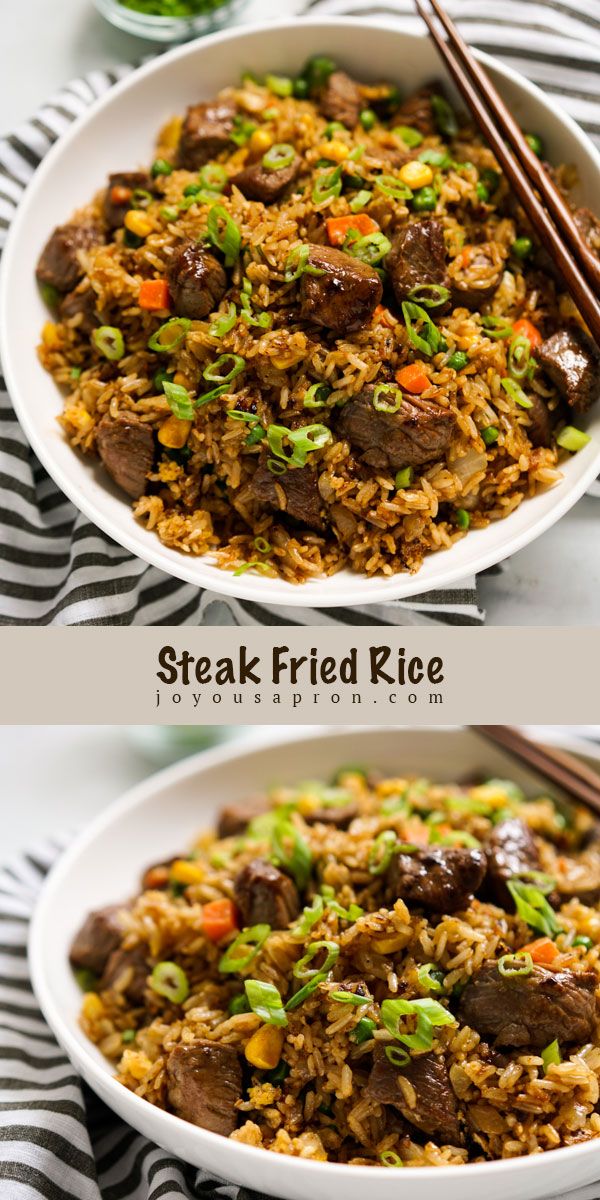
554	582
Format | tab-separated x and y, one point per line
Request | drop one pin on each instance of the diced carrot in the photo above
120	194
383	316
218	919
412	377
542	950
526	329
337	227
156	877
154	294
465	256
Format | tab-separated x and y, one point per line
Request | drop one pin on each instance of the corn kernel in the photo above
92	1007
79	418
265	1046
260	142
416	174
174	433
170	134
136	1063
388	945
336	150
50	336
138	223
186	872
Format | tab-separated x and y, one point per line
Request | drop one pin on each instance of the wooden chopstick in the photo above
576	282
555	202
579	781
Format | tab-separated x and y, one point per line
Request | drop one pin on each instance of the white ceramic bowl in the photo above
163	815
119	133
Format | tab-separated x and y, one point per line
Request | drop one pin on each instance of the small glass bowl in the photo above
169	29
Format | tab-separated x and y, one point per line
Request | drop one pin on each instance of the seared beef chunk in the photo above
340	99
58	264
119	194
441	880
475	282
417	112
197	282
589	227
539	430
99	935
418	256
530	1010
264	895
339	815
258	183
345	296
511	850
206	132
235	818
204	1084
80	304
300	499
127	970
126	447
418	433
436	1110
572	361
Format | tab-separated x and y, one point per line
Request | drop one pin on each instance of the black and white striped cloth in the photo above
57	1140
55	566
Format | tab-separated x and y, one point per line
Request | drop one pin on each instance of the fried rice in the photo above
313	1058
373	515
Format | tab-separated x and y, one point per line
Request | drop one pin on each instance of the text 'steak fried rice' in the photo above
369	511
345	949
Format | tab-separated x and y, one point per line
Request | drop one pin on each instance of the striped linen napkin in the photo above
58	1141
55	566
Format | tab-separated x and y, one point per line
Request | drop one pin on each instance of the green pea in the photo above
368	118
534	140
458	360
424	200
490	435
482	192
522	247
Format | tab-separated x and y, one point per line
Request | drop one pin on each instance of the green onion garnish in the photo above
397	1056
371	248
497	327
160	166
429	1013
390	186
350	998
389	1158
572	439
207	397
302	970
327	185
128	1036
262	545
533	908
516	393
238	1004
359	201
430	295
310	915
363	1031
306	991
387	389
213	176
317	71
430	977
170	335
279	156
380	854
458	361
404	478
435	158
167	979
109	341
297	264
551	1055
445	117
280	85
429	340
303	441
242	130
519	353
240	953
215	374
511	966
224	324
179	400
368	119
583	941
316	395
291	851
411	137
265	1001
224	233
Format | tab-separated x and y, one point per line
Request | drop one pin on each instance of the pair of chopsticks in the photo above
553	224
578	780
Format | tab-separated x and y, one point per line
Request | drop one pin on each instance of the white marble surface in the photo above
555	581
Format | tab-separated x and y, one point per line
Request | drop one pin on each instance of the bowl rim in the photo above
82	1057
201	571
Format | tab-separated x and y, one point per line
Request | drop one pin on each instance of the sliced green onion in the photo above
237	414
385	389
458	361
533	908
213	176
303	441
350	998
238	1004
298	263
169	213
389	1158
255	565
276	467
168	980
430	977
455	837
497	327
490	435
463	519
160	166
390	186
397	1056
86	979
301	969
214	373
316	395
328	184
280	85
430	295
224	324
309	917
411	137
242	130
512	966
279	156
371	248
360	200
519	353
429	340
240	953
109	341
291	851
404	478
482	192
363	1031
262	545
583	941
270	114
429	1014
50	295
572	439
551	1055
435	158
224	233
445	117
265	1001
380	854
207	397
516	393
179	400
170	335
356	155
75	372
306	991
